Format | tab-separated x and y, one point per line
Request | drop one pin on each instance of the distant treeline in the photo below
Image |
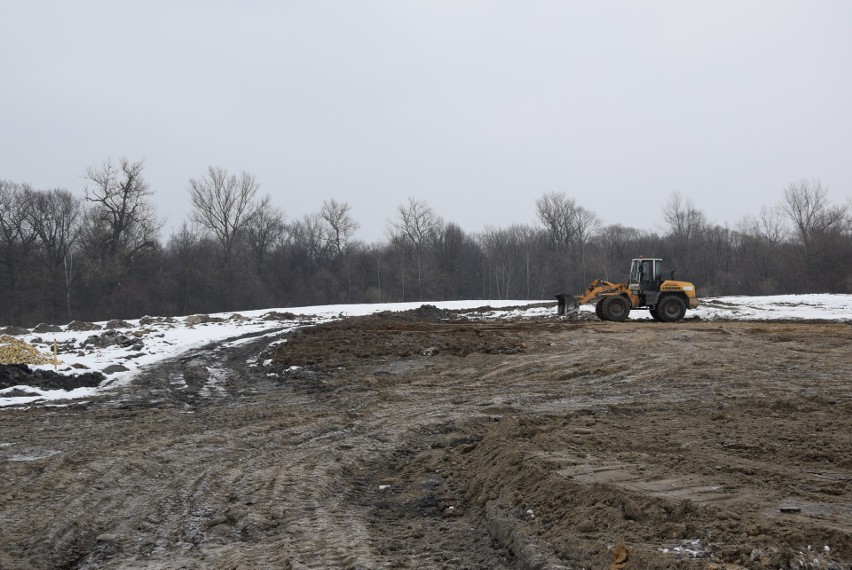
100	255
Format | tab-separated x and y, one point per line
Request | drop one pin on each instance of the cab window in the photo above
634	271
646	271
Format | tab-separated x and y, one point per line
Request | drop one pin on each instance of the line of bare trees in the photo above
100	255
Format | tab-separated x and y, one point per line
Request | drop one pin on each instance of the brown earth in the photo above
406	441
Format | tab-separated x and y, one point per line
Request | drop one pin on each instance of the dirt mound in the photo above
43	328
484	309
430	313
277	316
114	338
82	326
192	320
146	320
22	375
13	330
418	332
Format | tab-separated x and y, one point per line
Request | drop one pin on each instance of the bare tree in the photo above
771	225
502	248
340	225
568	224
264	231
687	227
585	223
418	221
451	247
16	234
557	213
309	237
807	206
397	241
618	243
419	225
122	221
375	253
225	204
339	230
528	240
684	220
56	216
187	256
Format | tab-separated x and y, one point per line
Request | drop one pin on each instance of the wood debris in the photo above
16	351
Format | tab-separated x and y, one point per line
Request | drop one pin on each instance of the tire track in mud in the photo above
296	516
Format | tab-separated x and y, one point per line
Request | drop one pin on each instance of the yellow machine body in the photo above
666	299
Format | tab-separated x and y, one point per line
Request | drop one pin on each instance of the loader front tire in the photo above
671	309
615	309
599	309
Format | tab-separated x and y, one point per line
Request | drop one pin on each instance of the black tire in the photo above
671	309
655	315
599	309
615	309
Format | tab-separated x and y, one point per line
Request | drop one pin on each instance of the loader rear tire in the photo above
615	309
671	309
655	315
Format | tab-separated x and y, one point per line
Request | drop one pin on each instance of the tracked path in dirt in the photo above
409	442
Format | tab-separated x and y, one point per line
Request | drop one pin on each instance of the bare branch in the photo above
225	204
123	220
806	204
685	221
341	226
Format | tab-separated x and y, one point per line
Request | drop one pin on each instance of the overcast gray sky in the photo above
478	107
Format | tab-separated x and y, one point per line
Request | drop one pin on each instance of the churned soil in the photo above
21	374
430	440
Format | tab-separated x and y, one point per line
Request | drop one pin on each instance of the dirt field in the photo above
407	441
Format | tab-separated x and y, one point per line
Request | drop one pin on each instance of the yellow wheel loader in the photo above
666	299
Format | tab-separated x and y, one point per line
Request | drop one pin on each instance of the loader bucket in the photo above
568	304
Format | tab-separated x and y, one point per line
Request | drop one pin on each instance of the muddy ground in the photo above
409	441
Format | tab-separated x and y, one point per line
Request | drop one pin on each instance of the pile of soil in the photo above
430	313
277	316
14	331
82	326
114	338
21	374
419	332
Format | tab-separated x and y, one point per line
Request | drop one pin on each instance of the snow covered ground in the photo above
149	341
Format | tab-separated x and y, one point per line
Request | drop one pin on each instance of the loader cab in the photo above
646	274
